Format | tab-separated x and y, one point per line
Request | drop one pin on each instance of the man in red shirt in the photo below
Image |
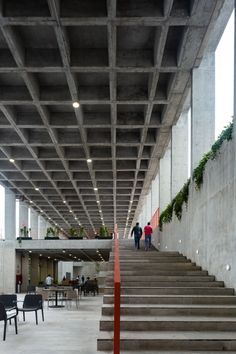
148	235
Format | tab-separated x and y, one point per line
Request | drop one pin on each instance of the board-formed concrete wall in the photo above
207	231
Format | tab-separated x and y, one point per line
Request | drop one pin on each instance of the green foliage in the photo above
180	199
81	231
226	134
103	231
199	170
176	205
166	215
73	232
50	232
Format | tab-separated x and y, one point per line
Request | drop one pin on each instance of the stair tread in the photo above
180	335
172	318
164	306
167	352
174	296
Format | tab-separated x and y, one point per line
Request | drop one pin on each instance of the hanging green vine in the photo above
176	205
180	199
226	134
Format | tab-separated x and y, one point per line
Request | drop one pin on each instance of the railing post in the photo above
116	298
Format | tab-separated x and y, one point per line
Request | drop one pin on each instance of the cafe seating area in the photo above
67	325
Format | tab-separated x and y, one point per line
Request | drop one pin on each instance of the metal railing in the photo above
116	297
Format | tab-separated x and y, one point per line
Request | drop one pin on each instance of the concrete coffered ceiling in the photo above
128	63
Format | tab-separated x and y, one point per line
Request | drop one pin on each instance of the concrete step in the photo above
171	310
161	272
171	299
156	278
190	323
163	283
153	260
168	352
171	290
186	340
146	254
160	266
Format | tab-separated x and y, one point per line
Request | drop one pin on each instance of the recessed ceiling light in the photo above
100	211
98	201
95	189
75	104
12	160
70	211
64	201
89	160
41	211
37	189
49	218
76	218
31	201
129	211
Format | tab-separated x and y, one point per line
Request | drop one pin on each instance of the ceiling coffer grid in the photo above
128	64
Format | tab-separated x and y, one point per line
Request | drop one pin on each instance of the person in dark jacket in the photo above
137	231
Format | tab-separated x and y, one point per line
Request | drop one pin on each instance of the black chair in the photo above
9	301
32	303
89	287
8	315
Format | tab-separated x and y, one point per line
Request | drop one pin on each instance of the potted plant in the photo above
74	235
104	233
24	233
52	234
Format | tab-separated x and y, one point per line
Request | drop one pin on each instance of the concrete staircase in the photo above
168	305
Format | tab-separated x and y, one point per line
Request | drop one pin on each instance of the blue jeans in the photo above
136	241
147	241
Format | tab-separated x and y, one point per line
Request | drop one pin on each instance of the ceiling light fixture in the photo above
37	189
70	211
98	201
64	201
12	160
95	188
76	218
75	104
89	160
31	202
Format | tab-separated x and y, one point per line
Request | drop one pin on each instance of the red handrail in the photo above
116	297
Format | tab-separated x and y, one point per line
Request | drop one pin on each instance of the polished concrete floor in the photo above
65	331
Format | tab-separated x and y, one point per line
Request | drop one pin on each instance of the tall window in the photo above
2	212
17	217
224	71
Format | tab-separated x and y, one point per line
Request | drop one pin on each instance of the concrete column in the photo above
203	108
148	208
10	215
7	267
165	179
34	223
155	194
42	227
23	215
179	151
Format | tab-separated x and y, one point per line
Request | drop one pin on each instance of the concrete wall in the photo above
207	231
